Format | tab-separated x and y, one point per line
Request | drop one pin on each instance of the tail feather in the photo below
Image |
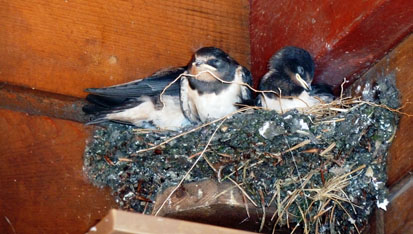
98	120
105	101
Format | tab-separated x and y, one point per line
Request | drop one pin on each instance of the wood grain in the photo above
65	46
42	185
122	222
400	61
344	38
399	215
36	102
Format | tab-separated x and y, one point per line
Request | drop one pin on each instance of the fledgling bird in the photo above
203	96
138	102
291	72
198	97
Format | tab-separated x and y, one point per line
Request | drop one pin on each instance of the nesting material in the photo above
323	170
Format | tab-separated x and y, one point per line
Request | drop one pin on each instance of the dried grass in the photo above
326	198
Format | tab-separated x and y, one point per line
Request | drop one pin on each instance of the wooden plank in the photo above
399	215
212	202
122	222
344	38
66	46
43	186
36	102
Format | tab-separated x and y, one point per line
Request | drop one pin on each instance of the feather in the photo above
149	86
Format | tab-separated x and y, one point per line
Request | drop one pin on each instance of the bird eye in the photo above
214	62
300	70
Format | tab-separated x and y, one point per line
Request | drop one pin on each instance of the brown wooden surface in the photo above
65	46
36	102
122	222
398	62
216	203
344	37
42	185
399	215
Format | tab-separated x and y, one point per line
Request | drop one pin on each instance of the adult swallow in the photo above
139	103
213	85
289	78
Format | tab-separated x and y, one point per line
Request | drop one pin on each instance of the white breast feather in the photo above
169	117
212	106
284	104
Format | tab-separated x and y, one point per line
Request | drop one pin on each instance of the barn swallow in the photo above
291	72
213	85
198	97
139	103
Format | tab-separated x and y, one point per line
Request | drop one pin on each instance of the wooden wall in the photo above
345	37
42	185
399	217
62	47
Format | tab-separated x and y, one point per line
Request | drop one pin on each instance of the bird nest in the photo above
322	170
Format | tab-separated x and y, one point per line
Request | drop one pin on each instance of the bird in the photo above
215	85
139	102
209	87
289	82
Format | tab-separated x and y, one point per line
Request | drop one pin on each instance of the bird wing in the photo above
187	105
149	86
99	107
246	93
124	96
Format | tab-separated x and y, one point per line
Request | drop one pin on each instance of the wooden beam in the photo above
122	222
36	102
66	46
345	38
43	186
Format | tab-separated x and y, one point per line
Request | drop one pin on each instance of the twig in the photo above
125	160
328	149
166	87
299	145
263	211
388	108
342	87
225	82
11	225
243	191
190	169
244	199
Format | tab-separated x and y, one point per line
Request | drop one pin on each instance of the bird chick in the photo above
213	87
198	97
291	72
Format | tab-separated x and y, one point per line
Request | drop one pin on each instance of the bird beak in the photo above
302	82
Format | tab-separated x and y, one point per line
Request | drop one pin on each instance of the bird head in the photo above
208	62
297	63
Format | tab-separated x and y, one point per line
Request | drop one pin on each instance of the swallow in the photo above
139	102
213	85
289	77
209	88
